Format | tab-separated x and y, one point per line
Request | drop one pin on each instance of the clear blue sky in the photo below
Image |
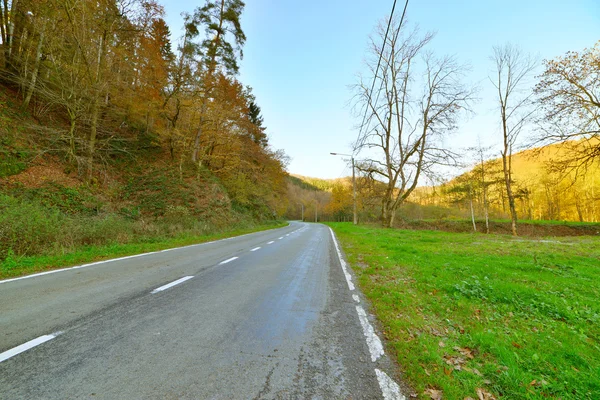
301	56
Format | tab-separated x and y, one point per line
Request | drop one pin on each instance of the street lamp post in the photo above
353	185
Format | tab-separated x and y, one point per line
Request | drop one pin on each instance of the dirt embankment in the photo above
524	229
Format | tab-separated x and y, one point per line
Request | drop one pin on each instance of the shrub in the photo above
26	228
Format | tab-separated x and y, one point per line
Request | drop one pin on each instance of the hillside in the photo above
546	188
48	206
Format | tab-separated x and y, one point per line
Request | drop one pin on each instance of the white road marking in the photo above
271	242
256	248
77	267
281	238
170	285
373	341
228	260
342	262
26	346
389	388
118	259
287	234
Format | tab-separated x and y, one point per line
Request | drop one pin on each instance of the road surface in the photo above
270	315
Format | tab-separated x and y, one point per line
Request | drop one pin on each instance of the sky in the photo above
301	57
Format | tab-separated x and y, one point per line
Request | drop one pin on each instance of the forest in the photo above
114	129
104	114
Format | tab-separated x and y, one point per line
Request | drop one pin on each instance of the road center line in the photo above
170	285
281	238
26	346
228	260
256	248
271	242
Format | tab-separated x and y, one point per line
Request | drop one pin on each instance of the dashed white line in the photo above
355	297
170	285
271	242
26	346
256	248
281	238
389	388
228	260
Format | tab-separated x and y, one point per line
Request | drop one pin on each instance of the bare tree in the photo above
569	94
417	101
513	69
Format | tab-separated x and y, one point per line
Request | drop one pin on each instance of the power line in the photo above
379	63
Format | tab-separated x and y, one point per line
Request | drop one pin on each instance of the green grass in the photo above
14	266
519	318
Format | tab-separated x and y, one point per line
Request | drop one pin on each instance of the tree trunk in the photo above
10	27
95	109
72	120
472	210
509	193
3	22
36	69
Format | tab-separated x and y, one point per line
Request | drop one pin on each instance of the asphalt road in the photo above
270	315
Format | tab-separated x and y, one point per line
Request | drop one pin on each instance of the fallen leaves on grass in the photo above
484	394
455	362
537	383
465	351
434	394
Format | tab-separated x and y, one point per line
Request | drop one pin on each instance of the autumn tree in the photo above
513	68
340	206
569	95
224	39
417	101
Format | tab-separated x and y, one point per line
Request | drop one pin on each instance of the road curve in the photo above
266	315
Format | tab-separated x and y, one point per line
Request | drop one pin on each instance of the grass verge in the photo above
14	266
484	316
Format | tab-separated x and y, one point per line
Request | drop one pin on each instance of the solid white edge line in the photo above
342	262
228	260
170	285
26	346
373	341
256	248
123	258
389	388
